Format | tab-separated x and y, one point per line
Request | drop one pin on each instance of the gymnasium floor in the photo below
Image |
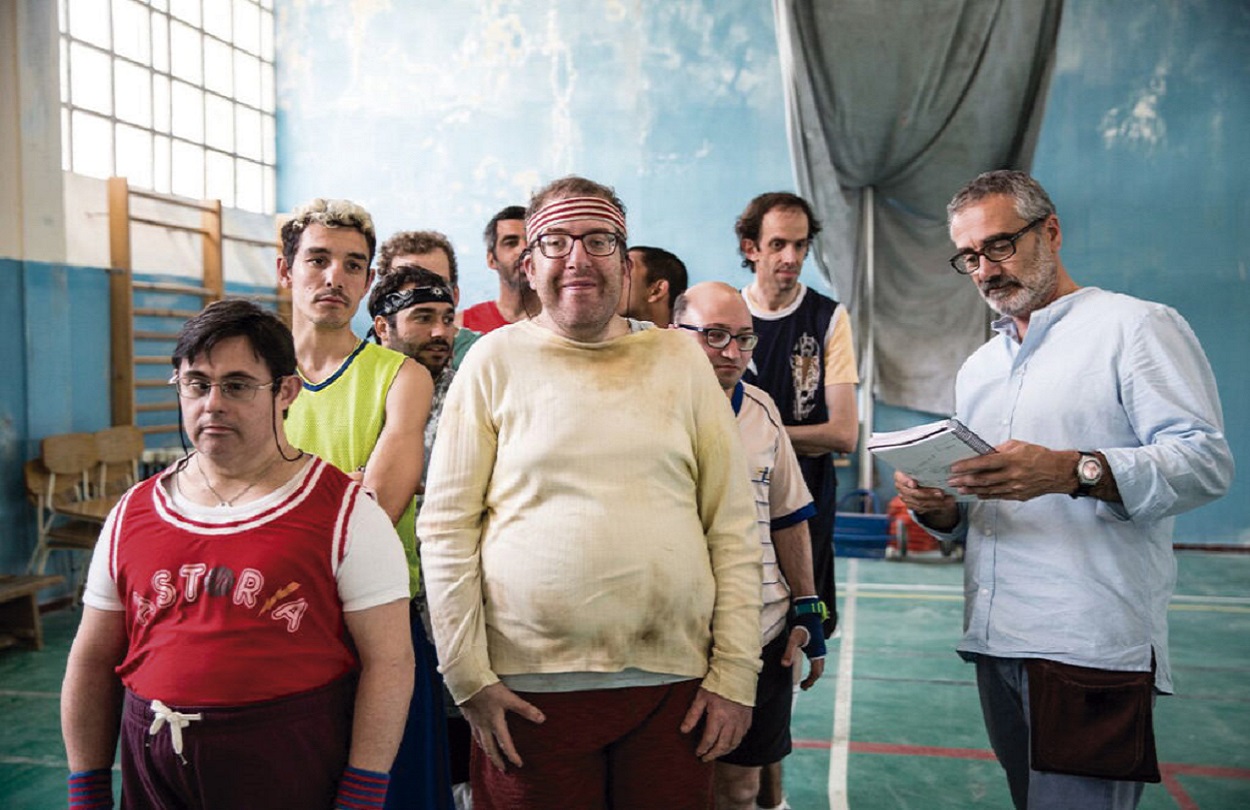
907	732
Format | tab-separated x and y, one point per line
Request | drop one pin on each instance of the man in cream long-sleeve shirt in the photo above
590	556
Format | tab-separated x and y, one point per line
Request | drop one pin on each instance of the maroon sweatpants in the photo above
604	748
288	752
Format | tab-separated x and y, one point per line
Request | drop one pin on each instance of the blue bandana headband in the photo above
399	301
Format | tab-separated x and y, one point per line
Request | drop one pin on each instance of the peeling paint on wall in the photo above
436	115
1139	124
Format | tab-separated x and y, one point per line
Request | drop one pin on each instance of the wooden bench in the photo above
19	612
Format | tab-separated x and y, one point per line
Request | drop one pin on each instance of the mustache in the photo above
999	283
436	342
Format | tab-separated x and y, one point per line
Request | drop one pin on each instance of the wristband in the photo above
91	790
810	604
810	613
361	790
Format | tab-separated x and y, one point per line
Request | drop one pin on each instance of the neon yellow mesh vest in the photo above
340	418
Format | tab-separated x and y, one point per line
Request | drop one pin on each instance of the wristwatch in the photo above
1088	473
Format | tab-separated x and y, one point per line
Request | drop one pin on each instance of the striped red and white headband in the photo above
568	209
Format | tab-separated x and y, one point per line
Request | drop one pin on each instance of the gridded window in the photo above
175	95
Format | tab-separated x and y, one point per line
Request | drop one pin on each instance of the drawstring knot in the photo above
177	722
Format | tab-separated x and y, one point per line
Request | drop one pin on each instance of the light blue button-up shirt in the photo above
1084	581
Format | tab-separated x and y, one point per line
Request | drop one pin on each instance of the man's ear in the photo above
1053	233
527	267
658	291
284	273
381	328
750	250
288	390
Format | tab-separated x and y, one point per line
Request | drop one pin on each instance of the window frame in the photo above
256	157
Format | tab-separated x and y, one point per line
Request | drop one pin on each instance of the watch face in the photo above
1090	470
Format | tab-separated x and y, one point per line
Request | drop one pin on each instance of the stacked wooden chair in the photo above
76	481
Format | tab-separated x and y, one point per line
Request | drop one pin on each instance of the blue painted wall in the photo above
436	115
15	522
1145	149
54	326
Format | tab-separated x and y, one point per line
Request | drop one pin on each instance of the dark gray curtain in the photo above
913	99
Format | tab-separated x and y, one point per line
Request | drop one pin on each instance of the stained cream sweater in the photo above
588	510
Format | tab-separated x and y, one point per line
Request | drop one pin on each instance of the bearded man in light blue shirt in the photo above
1106	423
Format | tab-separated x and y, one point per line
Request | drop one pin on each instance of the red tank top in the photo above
484	317
222	614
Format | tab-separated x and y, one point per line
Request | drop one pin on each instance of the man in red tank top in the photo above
245	621
505	242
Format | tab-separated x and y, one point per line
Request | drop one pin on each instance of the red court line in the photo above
1183	800
1170	770
903	750
1183	769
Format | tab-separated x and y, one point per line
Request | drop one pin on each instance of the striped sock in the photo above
361	790
91	790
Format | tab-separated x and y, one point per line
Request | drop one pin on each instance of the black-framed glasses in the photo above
234	389
559	245
719	338
967	262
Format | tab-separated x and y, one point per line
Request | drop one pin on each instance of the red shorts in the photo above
618	748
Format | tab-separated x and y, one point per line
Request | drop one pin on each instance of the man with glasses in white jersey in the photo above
716	316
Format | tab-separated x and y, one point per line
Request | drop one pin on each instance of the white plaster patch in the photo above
614	10
526	182
563	77
1138	124
362	13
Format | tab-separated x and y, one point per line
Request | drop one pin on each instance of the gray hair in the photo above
1032	201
